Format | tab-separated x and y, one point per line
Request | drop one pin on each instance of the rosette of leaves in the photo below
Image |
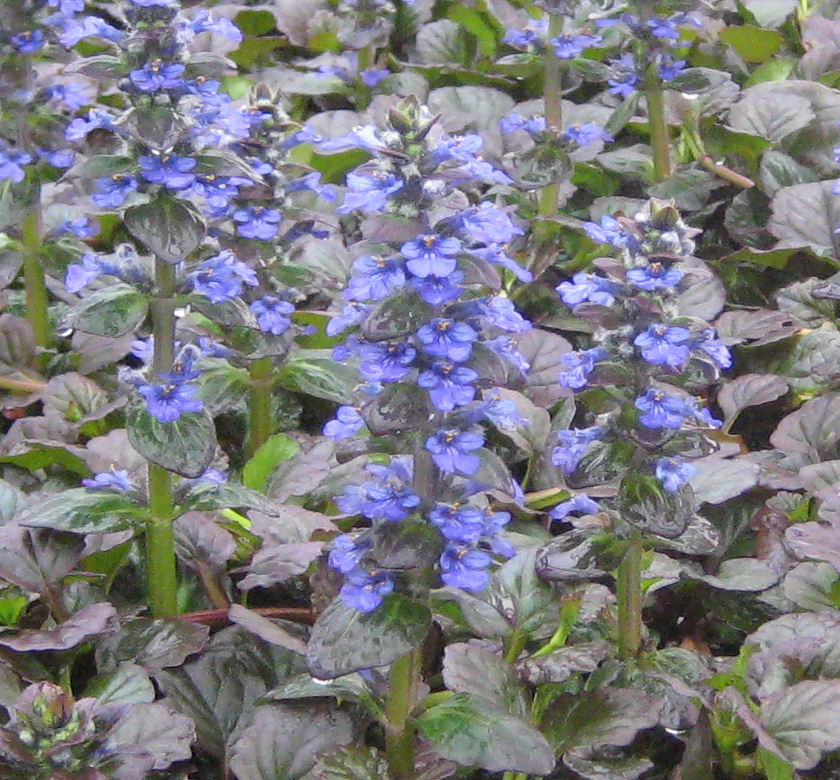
51	735
434	339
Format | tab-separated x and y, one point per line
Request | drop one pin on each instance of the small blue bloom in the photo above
348	422
79	127
375	277
578	366
112	191
386	362
585	134
71	95
364	590
452	451
668	68
574	444
347	551
257	222
173	172
608	230
437	290
465	567
655	276
507	348
81	227
531	36
81	275
512	122
220	278
664	28
447	338
115	479
486	224
625	77
58	158
89	27
28	41
431	255
588	288
183	366
458	523
273	314
664	345
11	165
449	384
567	47
352	314
714	348
167	402
204	21
673	473
662	410
370	77
157	75
390	501
579	503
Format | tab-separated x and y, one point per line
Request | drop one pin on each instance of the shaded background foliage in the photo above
678	626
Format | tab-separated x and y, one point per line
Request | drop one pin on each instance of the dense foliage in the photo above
419	389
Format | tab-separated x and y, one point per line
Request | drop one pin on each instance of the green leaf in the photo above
255	22
752	43
350	687
770	113
313	372
467	729
441	43
258	469
471	668
82	511
805	216
781	170
770	13
352	763
11	610
186	445
345	640
284	740
803	722
471	20
749	390
599	718
171	229
128	683
395	317
112	311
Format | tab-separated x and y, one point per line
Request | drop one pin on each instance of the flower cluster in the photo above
435	283
649	353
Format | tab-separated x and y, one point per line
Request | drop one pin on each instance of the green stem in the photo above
37	299
629	586
402	697
259	404
659	138
553	109
21	385
515	645
160	537
160	545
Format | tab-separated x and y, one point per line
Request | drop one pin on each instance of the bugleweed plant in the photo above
419	390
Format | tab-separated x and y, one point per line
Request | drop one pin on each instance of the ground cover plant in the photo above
419	389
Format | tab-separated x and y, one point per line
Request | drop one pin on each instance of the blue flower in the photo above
668	68
465	567
81	227
452	451
714	348
458	523
655	276
28	41
578	366
89	27
347	552
449	384
673	473
204	21
437	290
71	95
157	75
431	255
625	78
369	193
664	28
220	278
365	590
376	278
486	224
217	192
58	158
348	422
257	222
579	503
167	402
663	411
447	338
115	479
664	345
273	314
567	47
11	165
532	35
183	367
312	182
79	127
112	191
352	314
386	362
574	444
370	77
585	134
390	501
81	275
506	347
588	288
608	230
173	172
496	255
512	122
